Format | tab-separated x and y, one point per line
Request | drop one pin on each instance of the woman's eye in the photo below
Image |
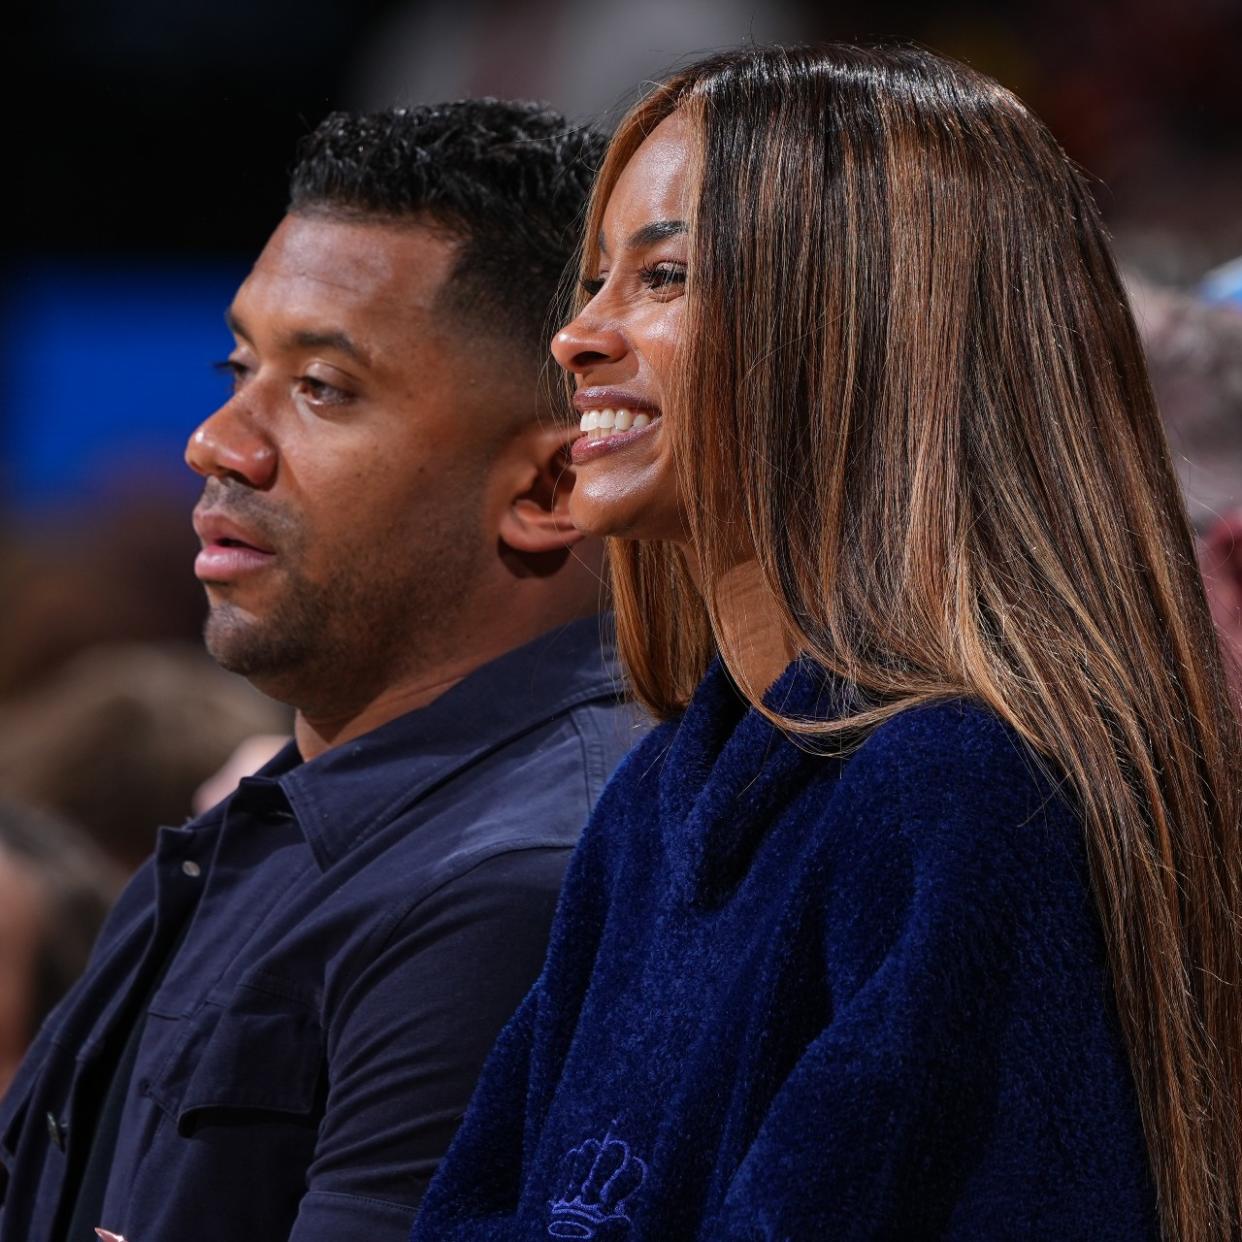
661	276
591	285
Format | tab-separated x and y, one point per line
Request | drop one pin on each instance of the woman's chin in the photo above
602	519
598	507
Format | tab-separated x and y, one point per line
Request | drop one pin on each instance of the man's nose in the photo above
230	445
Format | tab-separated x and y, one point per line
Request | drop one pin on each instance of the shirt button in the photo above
56	1131
191	868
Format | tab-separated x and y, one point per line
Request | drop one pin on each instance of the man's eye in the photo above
319	391
663	275
235	371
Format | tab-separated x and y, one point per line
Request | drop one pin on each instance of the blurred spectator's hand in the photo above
247	759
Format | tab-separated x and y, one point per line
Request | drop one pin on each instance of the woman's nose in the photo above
584	343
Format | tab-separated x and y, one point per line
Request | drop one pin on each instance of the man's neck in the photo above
321	728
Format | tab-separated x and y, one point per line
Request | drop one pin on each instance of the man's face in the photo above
343	516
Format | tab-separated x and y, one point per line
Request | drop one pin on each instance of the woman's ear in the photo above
536	519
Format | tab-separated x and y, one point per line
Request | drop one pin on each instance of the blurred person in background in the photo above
120	738
287	1012
94	574
56	888
250	755
1194	356
1220	558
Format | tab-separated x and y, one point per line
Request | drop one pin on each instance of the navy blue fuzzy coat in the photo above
795	997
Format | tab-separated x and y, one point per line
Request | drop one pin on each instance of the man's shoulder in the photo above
534	792
537	789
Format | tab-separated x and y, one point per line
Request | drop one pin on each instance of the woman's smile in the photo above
611	419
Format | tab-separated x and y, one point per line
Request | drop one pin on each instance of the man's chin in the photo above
244	645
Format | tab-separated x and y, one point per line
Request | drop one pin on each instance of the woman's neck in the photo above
752	637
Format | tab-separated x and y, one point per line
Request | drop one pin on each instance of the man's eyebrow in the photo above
306	339
330	340
649	234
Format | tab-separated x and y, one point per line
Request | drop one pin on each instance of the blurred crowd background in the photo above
150	151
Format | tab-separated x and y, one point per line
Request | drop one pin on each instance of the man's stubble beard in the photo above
324	644
272	647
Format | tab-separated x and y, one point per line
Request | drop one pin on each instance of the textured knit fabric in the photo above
796	997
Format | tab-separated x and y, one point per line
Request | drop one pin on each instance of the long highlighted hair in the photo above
910	382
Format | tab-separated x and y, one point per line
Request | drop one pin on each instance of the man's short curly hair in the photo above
510	178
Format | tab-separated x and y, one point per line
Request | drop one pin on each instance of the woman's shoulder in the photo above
953	774
956	744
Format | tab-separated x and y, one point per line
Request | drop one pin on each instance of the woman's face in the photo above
620	348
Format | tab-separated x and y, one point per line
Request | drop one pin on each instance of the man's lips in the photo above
230	550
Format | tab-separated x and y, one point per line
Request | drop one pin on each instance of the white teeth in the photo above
596	424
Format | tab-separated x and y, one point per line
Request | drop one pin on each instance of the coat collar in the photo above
729	770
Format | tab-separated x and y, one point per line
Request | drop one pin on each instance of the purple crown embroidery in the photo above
596	1182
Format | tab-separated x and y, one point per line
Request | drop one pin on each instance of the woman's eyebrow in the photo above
656	231
649	234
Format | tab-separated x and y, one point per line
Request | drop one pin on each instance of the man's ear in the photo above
536	520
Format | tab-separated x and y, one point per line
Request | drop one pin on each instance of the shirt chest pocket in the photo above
261	1053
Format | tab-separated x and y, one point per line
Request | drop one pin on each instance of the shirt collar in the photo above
343	795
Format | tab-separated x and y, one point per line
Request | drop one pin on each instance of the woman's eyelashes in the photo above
664	277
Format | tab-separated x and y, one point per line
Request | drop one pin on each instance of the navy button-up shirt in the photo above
346	937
